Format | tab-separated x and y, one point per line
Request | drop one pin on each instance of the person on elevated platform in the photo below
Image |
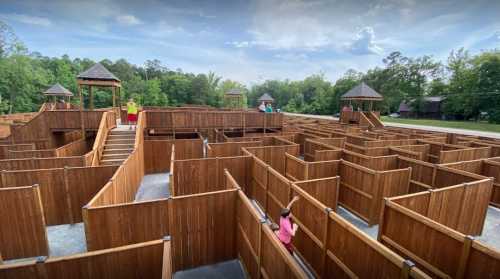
132	113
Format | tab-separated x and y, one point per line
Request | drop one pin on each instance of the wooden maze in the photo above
230	174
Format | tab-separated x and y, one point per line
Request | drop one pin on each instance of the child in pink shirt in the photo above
287	228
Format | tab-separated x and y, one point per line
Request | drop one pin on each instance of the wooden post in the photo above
259	252
167	258
91	98
325	241
464	257
68	196
41	271
82	123
405	271
4	182
114	96
40	212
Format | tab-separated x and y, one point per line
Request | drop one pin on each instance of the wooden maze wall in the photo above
257	160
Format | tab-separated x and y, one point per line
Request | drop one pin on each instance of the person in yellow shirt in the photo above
131	113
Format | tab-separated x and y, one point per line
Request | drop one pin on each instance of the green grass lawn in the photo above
468	125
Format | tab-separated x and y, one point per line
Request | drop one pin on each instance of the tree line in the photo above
470	84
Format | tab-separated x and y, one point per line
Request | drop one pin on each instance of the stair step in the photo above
120	141
112	162
118	146
131	137
122	132
118	151
112	156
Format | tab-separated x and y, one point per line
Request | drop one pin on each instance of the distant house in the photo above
431	108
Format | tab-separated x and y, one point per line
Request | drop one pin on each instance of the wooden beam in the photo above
103	83
114	95
91	98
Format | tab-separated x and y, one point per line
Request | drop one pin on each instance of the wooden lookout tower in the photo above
233	97
58	91
266	98
363	97
99	76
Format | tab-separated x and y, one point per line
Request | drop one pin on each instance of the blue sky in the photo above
250	41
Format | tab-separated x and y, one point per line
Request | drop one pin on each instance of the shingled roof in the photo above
362	92
57	90
234	91
97	72
266	98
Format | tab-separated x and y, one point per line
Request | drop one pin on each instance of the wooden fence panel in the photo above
278	194
325	190
195	176
122	224
276	261
462	208
295	168
327	155
228	149
483	262
458	257
357	189
309	241
464	154
207	175
52	191
41	163
351	253
421	171
23	231
142	260
75	148
5	148
260	176
157	155
248	235
492	169
43	153
83	184
275	155
322	169
188	149
311	146
202	227
239	168
447	177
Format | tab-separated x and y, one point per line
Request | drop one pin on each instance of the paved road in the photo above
430	128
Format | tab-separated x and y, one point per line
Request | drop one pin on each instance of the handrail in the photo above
101	136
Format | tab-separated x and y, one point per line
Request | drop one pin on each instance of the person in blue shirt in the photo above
269	108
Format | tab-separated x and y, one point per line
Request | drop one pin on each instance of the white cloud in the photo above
364	43
241	44
288	25
128	20
28	19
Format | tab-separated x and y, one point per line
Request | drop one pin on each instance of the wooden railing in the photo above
108	121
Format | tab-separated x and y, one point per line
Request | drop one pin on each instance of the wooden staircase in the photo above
118	146
374	119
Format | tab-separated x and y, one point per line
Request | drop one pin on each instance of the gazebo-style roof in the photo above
97	72
98	75
58	90
362	92
234	92
266	98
